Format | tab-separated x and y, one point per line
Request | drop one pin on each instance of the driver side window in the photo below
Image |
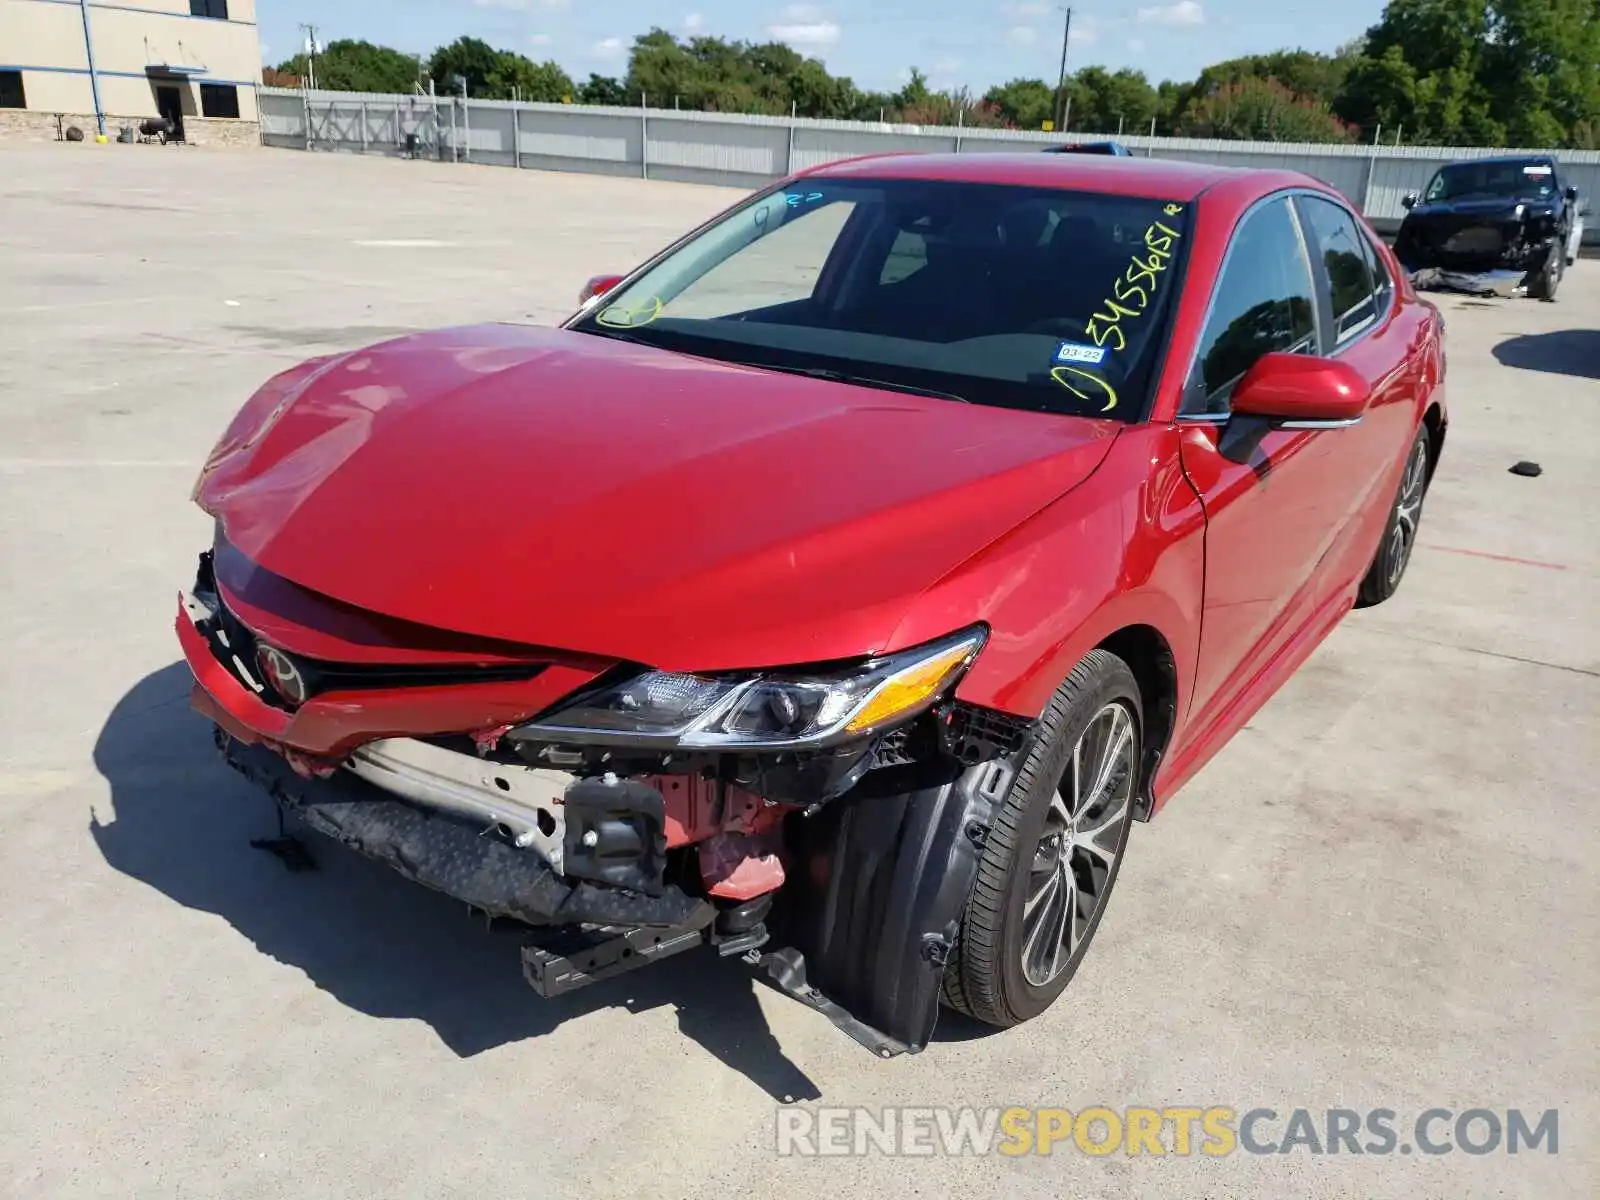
1262	303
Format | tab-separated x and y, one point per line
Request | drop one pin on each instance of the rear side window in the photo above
1262	303
1382	285
1346	267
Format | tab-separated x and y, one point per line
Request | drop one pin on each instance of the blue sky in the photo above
957	42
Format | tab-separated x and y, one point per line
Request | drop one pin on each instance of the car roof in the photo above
1161	178
1503	158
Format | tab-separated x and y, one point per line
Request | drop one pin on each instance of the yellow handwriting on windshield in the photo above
1087	386
630	316
1133	291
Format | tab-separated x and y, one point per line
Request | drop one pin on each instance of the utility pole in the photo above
1061	84
94	75
311	54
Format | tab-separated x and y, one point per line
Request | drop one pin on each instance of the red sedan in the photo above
837	589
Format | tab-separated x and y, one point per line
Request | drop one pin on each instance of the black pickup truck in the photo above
1502	225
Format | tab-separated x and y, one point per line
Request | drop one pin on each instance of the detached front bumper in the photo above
1494	282
449	855
863	891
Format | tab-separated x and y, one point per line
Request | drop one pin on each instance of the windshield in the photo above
1022	297
1532	179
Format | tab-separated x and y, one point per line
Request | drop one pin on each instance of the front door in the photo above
1277	501
169	103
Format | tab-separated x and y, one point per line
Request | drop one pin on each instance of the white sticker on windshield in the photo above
1078	352
1536	170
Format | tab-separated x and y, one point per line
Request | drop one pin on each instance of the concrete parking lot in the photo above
1383	894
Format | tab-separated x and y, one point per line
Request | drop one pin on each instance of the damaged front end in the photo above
824	824
1498	250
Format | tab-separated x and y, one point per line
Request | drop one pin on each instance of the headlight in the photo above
767	710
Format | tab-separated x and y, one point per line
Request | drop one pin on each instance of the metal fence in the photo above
749	151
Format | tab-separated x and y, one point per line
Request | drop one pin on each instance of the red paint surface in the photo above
551	488
334	724
496	490
736	866
696	808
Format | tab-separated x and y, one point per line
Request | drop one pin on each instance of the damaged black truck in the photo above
1507	225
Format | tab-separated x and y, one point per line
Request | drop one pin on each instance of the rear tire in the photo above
1400	531
1054	851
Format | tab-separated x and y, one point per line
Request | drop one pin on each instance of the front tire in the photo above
1400	531
1054	851
1544	283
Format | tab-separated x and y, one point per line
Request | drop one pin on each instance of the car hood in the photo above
560	489
1484	208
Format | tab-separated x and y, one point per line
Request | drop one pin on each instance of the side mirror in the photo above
1409	200
1297	391
599	285
1571	193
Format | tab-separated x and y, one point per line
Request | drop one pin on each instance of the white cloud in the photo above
947	66
1025	10
1136	45
802	14
610	47
1184	12
693	21
538	39
814	33
514	5
1022	35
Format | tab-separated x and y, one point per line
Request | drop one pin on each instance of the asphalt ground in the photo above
1382	895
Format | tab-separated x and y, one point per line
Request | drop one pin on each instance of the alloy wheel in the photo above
1071	871
1408	511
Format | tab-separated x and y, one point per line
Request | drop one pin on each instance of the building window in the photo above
11	95
219	100
216	9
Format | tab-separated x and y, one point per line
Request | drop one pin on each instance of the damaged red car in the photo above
838	589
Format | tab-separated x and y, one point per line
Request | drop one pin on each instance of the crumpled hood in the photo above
561	489
1469	211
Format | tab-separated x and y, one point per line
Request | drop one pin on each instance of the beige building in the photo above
81	62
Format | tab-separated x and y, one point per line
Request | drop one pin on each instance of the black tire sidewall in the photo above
1376	588
1021	999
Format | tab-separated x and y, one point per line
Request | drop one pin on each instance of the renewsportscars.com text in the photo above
1181	1131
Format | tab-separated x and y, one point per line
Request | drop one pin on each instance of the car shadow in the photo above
1564	352
378	944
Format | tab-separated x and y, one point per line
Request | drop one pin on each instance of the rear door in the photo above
1278	502
1363	331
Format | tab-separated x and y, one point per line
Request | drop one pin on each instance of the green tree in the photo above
1104	101
602	89
1170	99
516	77
1264	110
1025	103
355	66
465	58
1379	93
1477	72
714	74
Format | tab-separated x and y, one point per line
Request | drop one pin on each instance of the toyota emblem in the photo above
282	674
